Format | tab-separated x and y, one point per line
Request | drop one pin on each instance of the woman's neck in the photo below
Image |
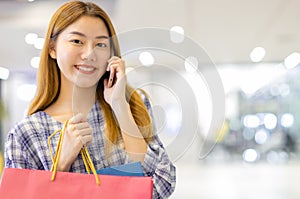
83	99
72	100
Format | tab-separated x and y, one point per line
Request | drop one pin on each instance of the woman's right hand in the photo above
77	134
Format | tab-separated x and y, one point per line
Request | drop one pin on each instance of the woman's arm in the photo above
158	165
154	157
114	94
156	162
134	143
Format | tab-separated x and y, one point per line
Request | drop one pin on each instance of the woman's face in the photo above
82	51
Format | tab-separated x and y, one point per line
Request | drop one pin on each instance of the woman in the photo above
82	80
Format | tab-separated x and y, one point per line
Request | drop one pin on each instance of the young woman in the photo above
82	80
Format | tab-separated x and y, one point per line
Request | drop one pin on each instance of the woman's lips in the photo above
85	69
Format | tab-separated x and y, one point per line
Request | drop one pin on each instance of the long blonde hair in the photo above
48	78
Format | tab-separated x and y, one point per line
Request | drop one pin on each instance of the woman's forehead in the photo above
93	27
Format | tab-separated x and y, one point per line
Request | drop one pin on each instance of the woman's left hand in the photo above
114	87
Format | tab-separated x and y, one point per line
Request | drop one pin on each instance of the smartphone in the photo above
110	78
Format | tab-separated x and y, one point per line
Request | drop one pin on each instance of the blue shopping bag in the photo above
130	169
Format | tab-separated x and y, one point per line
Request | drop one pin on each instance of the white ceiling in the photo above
227	29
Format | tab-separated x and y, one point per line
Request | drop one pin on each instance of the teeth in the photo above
86	69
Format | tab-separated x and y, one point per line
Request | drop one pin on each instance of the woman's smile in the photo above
85	69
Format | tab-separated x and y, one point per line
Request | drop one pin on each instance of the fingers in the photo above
114	87
77	118
83	133
79	128
114	58
86	140
113	63
82	125
116	66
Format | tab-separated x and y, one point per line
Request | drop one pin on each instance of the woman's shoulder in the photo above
145	97
37	122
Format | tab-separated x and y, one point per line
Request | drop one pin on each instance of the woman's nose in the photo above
88	53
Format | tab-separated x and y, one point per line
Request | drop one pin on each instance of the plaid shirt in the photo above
26	147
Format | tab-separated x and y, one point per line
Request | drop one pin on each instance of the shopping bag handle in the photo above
88	163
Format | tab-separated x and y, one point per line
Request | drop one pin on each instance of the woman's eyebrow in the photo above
102	37
83	35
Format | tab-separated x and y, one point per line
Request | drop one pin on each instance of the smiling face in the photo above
82	51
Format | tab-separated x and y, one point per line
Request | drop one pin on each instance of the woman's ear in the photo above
52	51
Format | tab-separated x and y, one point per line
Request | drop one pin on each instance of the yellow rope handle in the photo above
85	161
88	163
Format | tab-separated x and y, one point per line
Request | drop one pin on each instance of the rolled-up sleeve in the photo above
158	165
156	162
14	153
20	147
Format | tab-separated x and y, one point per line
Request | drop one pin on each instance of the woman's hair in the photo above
48	77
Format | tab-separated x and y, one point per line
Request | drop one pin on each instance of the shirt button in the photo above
155	147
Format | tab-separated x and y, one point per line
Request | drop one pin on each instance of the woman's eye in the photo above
102	45
76	41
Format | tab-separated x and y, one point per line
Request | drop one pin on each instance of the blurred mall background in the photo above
245	74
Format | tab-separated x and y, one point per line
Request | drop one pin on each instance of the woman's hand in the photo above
114	87
77	135
114	94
